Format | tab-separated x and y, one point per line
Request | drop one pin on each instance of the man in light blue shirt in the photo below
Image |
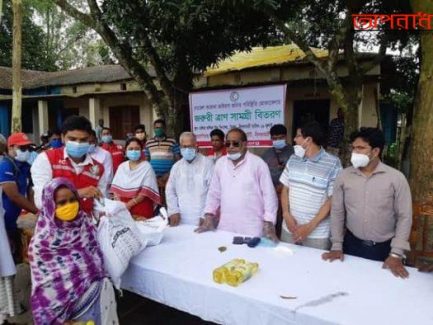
308	180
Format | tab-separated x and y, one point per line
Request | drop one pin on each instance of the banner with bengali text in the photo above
254	109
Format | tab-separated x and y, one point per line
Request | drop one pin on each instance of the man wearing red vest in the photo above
73	162
115	150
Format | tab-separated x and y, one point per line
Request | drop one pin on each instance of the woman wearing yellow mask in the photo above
68	279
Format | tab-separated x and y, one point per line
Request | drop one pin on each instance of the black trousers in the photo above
366	249
16	243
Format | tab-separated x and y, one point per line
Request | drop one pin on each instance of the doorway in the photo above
123	119
305	111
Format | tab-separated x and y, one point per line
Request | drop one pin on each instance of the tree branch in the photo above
302	44
367	66
121	51
75	13
155	60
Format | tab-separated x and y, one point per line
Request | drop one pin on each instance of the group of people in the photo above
297	194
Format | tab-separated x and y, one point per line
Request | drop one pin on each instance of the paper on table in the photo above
284	250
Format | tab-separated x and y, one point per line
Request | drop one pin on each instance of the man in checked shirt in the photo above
371	214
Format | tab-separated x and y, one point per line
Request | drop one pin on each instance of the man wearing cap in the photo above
72	162
15	182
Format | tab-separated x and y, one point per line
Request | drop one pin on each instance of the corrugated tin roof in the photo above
259	56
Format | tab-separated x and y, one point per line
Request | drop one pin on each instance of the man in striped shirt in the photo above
162	152
308	180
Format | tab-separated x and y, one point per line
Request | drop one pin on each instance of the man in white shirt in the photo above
188	183
102	156
73	162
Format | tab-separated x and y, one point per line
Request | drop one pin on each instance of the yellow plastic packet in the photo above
241	273
221	273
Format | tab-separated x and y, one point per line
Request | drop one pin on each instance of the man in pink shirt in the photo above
242	189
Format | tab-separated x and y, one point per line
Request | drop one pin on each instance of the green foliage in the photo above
192	33
68	43
400	76
33	52
51	39
391	156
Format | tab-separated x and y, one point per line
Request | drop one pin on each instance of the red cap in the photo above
18	139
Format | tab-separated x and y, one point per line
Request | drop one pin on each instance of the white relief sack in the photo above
119	238
153	229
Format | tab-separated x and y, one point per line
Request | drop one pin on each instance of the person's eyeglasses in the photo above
24	148
63	202
235	144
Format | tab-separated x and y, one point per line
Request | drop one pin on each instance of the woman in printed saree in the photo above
68	278
135	183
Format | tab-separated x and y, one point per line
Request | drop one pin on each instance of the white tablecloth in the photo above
178	273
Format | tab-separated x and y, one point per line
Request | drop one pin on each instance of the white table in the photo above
178	273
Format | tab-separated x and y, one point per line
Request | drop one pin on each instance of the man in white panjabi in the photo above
188	183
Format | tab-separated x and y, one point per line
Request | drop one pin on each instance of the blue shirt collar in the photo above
317	156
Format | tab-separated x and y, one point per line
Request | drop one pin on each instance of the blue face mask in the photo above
32	158
188	153
77	149
56	143
22	156
279	144
133	155
106	138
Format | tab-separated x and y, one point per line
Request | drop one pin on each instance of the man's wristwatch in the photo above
400	257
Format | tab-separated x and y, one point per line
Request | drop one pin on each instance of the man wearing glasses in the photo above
371	213
242	190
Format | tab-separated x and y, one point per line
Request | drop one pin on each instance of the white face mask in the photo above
359	160
299	151
234	156
22	155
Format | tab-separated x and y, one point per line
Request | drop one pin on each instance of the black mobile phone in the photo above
254	242
237	240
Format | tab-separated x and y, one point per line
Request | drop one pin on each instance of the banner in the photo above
254	109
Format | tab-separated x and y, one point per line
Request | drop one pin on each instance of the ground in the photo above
135	310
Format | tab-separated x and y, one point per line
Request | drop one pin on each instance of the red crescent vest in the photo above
90	175
117	154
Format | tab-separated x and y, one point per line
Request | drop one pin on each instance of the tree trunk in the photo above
182	85
421	170
17	7
421	157
348	97
1	10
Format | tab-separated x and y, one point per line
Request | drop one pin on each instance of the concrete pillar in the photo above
94	110
42	117
105	113
146	115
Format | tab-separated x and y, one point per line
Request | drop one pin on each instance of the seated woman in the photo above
68	279
135	182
